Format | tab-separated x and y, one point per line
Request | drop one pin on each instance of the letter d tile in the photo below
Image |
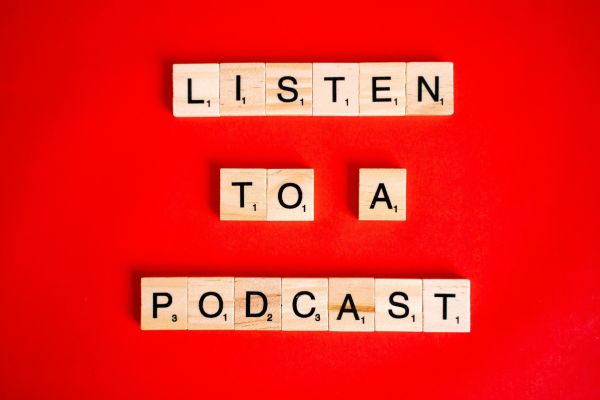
258	303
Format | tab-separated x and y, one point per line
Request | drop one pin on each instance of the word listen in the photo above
320	89
288	194
306	304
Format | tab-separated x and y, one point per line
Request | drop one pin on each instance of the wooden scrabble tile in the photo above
383	88
164	304
430	88
243	194
258	303
399	305
210	303
446	305
304	304
335	89
242	88
290	195
289	89
196	90
352	304
382	194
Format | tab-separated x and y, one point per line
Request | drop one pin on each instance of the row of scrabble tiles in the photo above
321	89
306	304
255	194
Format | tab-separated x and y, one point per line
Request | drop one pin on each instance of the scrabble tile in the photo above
399	305
304	304
289	89
290	195
258	303
243	194
210	303
430	88
382	194
446	305
242	87
352	304
196	90
335	89
383	88
164	303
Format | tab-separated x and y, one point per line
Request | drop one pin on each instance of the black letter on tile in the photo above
334	85
280	195
445	297
238	87
201	304
398	304
264	300
156	306
295	304
289	89
241	185
190	100
380	89
386	198
435	95
352	309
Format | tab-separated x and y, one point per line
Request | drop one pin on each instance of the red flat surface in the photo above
101	185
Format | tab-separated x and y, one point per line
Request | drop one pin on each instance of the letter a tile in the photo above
352	304
382	194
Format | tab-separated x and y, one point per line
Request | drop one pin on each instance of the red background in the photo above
101	185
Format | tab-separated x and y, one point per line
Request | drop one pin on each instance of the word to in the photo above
288	194
320	89
306	304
